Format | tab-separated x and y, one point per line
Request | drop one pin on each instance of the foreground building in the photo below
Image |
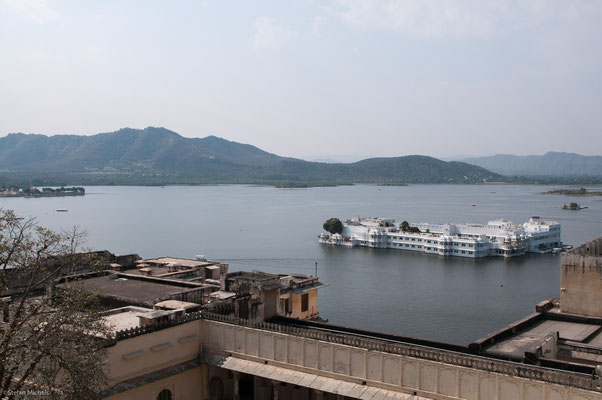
496	238
214	354
237	344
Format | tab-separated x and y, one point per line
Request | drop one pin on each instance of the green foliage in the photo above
333	225
405	227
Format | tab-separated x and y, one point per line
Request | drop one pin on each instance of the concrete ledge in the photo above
508	330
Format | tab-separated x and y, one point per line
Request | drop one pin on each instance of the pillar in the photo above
204	382
275	385
319	394
236	385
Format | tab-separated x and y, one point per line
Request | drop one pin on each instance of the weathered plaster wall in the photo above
153	351
296	301
184	386
581	280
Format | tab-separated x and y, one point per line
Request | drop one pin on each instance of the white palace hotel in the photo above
497	238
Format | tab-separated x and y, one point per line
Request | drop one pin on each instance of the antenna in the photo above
316	269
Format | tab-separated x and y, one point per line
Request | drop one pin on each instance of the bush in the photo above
405	227
333	225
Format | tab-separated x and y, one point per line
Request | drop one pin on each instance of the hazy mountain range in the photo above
550	164
160	156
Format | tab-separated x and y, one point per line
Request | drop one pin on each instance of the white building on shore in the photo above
496	238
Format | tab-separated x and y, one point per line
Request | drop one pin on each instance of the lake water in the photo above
275	230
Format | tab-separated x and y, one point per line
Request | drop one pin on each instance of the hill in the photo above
160	156
549	164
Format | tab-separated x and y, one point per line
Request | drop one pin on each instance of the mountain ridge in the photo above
552	163
156	154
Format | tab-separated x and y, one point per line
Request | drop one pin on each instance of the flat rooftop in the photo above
222	295
254	275
528	339
184	262
125	317
550	337
176	305
136	291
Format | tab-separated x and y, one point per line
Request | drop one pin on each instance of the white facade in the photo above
496	238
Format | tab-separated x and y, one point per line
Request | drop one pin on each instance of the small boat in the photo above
61	210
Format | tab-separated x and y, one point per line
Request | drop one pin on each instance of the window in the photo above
304	302
285	306
164	394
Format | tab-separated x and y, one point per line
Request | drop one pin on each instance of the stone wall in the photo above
411	369
581	280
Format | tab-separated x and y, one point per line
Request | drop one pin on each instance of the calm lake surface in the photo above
276	230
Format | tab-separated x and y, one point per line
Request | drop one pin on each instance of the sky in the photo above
333	79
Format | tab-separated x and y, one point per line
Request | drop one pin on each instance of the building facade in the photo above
496	238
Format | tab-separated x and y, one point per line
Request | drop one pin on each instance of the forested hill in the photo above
160	156
549	164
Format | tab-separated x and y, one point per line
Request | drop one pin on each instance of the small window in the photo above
304	302
164	394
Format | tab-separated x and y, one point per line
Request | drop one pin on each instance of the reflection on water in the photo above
250	227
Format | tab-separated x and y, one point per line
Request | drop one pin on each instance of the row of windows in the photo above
449	244
412	246
545	237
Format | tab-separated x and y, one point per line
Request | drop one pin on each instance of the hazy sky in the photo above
311	78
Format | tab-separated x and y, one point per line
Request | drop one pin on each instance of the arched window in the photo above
164	394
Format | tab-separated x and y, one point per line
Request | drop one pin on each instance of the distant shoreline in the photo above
4	195
22	181
582	192
32	191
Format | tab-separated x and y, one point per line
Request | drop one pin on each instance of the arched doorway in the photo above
216	389
164	394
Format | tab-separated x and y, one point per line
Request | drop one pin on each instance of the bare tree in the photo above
51	344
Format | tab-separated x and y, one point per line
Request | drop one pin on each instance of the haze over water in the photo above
275	230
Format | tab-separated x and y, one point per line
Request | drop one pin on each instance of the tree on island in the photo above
333	225
53	342
405	227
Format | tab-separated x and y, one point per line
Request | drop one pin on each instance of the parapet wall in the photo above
581	280
427	372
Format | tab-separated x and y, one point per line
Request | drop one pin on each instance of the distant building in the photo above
299	296
169	283
294	296
496	238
